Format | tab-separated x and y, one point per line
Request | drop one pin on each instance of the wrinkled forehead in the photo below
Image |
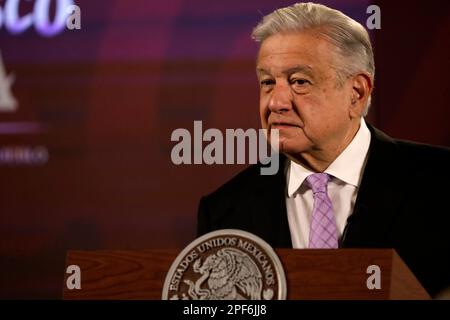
282	52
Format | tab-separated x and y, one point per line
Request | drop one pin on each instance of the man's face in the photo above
300	95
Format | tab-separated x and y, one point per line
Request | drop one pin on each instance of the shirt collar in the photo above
347	167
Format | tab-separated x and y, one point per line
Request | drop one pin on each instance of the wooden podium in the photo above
310	274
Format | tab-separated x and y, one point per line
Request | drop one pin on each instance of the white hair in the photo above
348	36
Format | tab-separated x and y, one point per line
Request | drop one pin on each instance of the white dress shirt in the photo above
346	173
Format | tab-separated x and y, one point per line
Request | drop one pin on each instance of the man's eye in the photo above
300	82
267	82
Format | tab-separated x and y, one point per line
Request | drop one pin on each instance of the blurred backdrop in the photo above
86	116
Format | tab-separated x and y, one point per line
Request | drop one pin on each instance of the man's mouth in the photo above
282	125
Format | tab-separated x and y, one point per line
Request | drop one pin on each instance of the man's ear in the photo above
362	85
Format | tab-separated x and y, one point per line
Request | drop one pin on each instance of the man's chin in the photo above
291	144
289	148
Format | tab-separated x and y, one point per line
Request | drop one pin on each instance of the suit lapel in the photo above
269	212
378	196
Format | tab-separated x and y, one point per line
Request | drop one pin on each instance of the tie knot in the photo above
318	182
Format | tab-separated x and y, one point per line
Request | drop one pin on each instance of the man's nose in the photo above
281	99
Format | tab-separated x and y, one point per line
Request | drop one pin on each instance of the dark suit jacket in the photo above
403	203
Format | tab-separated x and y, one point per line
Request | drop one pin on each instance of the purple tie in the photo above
323	232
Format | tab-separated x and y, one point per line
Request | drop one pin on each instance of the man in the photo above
341	183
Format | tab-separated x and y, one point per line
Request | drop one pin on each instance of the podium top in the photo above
311	274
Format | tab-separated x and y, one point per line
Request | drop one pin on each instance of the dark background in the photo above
104	100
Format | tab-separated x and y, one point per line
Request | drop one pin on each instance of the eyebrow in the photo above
298	68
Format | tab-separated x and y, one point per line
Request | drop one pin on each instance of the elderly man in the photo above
342	183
